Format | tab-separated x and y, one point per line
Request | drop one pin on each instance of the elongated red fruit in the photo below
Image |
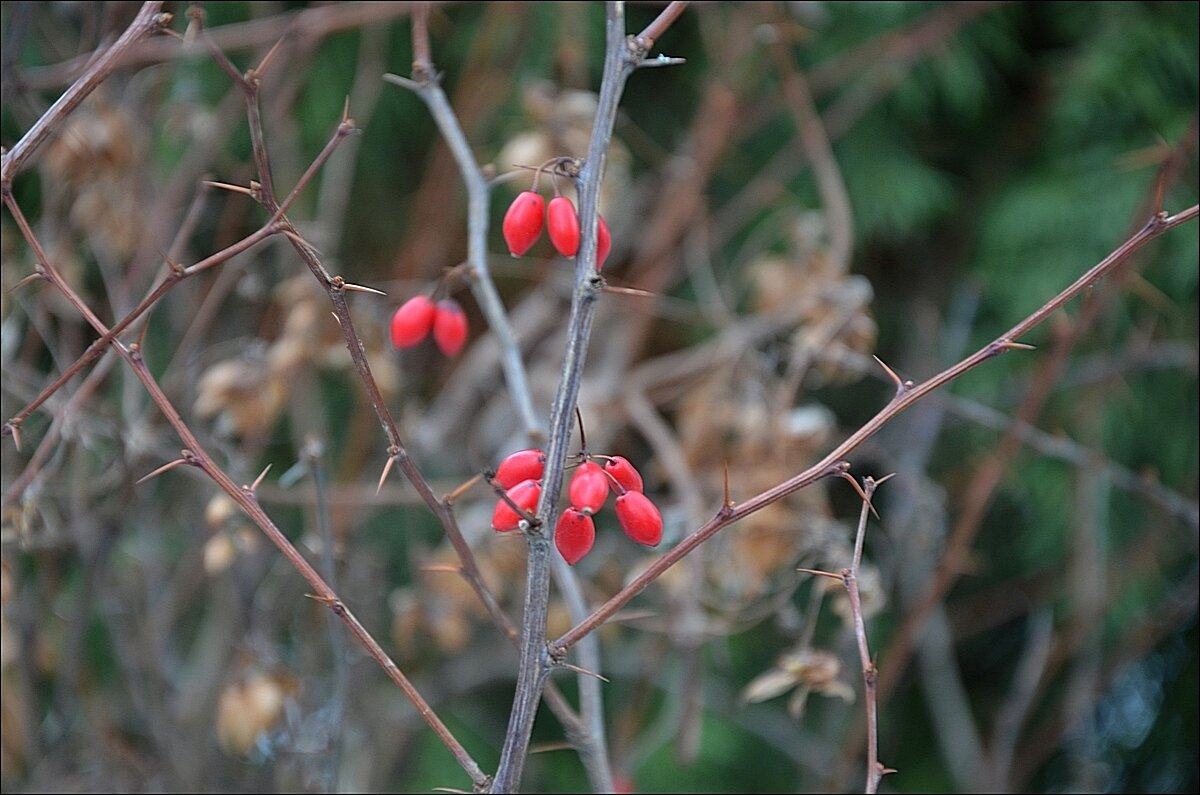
523	222
603	242
450	326
563	225
521	465
624	474
640	520
574	535
413	321
589	488
525	496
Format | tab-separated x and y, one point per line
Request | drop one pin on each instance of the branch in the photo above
175	275
904	398
195	455
426	84
335	287
622	56
147	21
875	770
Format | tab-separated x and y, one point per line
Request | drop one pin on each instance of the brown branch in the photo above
650	34
195	455
175	275
832	463
148	20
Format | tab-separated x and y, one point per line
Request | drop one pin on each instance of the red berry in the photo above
521	465
589	487
640	520
624	474
450	327
523	222
574	535
525	495
563	225
603	242
412	321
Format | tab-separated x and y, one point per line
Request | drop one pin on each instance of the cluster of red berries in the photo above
418	316
520	475
528	214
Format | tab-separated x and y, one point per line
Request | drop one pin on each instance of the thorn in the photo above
265	63
1160	186
1009	345
442	568
863	495
328	601
608	288
387	466
346	110
583	671
141	340
458	492
902	385
728	502
164	468
884	479
15	427
33	277
294	236
661	60
820	573
338	319
358	288
403	82
254	486
251	192
542	748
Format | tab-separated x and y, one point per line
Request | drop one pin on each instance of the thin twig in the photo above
427	86
314	460
875	770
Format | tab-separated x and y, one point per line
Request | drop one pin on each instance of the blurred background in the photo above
1031	590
